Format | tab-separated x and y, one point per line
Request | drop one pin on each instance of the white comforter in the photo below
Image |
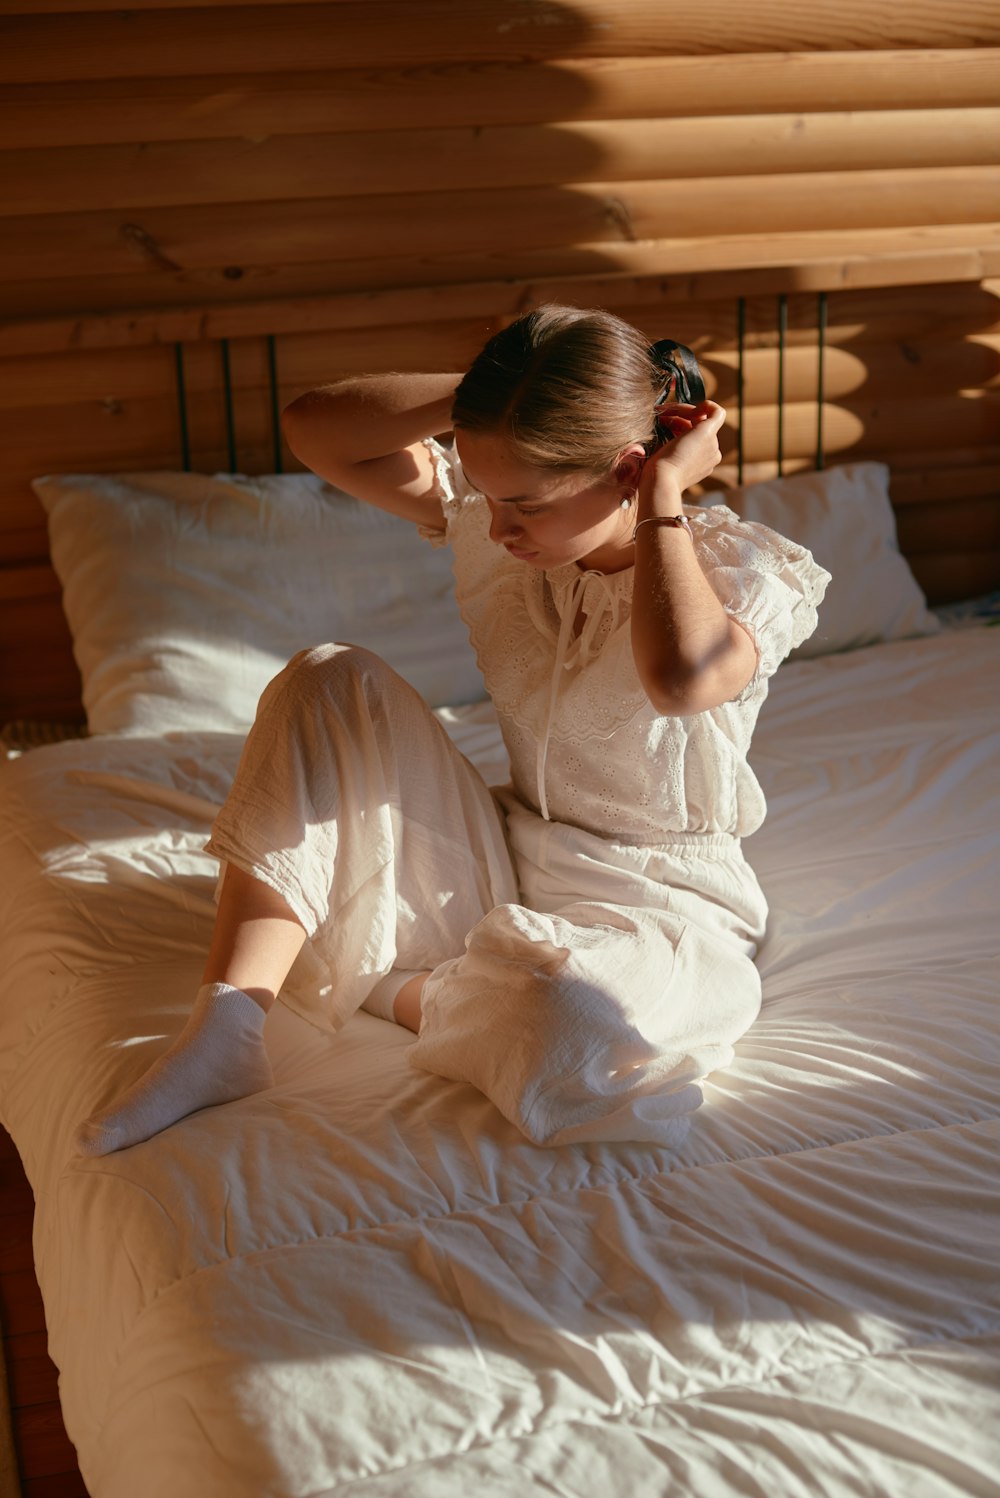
366	1282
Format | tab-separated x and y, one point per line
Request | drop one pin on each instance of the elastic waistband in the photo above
687	842
673	842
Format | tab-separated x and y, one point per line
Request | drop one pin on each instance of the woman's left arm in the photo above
689	653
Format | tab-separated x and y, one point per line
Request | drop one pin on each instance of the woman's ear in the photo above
629	464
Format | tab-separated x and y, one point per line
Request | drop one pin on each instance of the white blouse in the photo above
586	745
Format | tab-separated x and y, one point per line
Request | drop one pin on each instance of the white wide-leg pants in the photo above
584	985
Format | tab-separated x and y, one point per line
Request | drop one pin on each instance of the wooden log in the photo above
869	429
954	483
873	372
924	258
100	376
911	321
158	43
144	434
23	544
155	307
950	576
368	163
940	486
973	524
905	313
892	371
267	238
28	582
445	94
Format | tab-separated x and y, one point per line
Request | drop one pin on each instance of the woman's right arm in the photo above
364	435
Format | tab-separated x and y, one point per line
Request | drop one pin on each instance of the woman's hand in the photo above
693	451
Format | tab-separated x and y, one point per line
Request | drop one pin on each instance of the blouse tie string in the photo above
567	657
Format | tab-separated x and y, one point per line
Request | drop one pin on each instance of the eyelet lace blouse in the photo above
586	745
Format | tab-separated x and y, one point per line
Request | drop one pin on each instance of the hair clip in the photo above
678	363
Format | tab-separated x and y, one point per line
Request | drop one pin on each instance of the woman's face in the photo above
547	519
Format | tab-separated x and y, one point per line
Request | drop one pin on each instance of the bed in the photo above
364	1281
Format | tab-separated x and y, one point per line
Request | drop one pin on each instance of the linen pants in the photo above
583	984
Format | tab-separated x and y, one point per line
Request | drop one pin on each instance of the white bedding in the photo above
366	1282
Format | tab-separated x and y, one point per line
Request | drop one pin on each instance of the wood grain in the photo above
156	42
285	168
151	245
512	92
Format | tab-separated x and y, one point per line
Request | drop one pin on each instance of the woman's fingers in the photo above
679	417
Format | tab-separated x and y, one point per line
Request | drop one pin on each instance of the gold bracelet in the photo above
680	521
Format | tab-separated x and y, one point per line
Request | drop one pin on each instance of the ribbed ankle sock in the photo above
219	1056
383	996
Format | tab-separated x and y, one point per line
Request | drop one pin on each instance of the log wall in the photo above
380	184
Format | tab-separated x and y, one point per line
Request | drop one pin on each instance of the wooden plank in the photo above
65	7
44	1447
21	547
985	460
940	486
855	318
15	1242
910	325
103	376
282	168
891	370
449	94
268	238
856	429
157	42
20	1303
143	434
949	576
862	424
28	582
59	1484
33	1376
875	371
970	523
660	273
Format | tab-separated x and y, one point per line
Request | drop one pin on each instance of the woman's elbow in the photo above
301	414
682	689
679	696
313	429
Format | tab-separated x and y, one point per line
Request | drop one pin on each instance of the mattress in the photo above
366	1282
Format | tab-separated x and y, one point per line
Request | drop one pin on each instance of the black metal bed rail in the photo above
275	404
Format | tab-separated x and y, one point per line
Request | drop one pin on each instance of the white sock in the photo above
382	999
218	1056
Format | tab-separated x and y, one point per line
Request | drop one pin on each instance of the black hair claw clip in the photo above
684	380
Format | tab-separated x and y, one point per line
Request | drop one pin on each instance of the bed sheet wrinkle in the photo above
430	1301
730	1451
791	1338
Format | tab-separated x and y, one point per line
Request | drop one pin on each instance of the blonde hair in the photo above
568	388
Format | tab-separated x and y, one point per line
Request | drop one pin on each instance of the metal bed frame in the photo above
272	358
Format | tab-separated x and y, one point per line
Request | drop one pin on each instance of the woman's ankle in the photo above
406	1010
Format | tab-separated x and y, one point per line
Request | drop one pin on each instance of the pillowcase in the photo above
844	516
185	594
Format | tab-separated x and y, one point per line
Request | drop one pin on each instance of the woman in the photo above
579	944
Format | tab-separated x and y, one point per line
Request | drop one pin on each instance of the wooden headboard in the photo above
811	376
211	205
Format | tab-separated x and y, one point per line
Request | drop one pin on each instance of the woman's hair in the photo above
568	388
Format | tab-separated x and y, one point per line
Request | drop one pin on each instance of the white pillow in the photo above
844	516
186	593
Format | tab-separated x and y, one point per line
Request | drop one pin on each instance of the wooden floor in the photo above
46	1458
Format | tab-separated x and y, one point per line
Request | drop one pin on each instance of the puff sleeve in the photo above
770	585
453	487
